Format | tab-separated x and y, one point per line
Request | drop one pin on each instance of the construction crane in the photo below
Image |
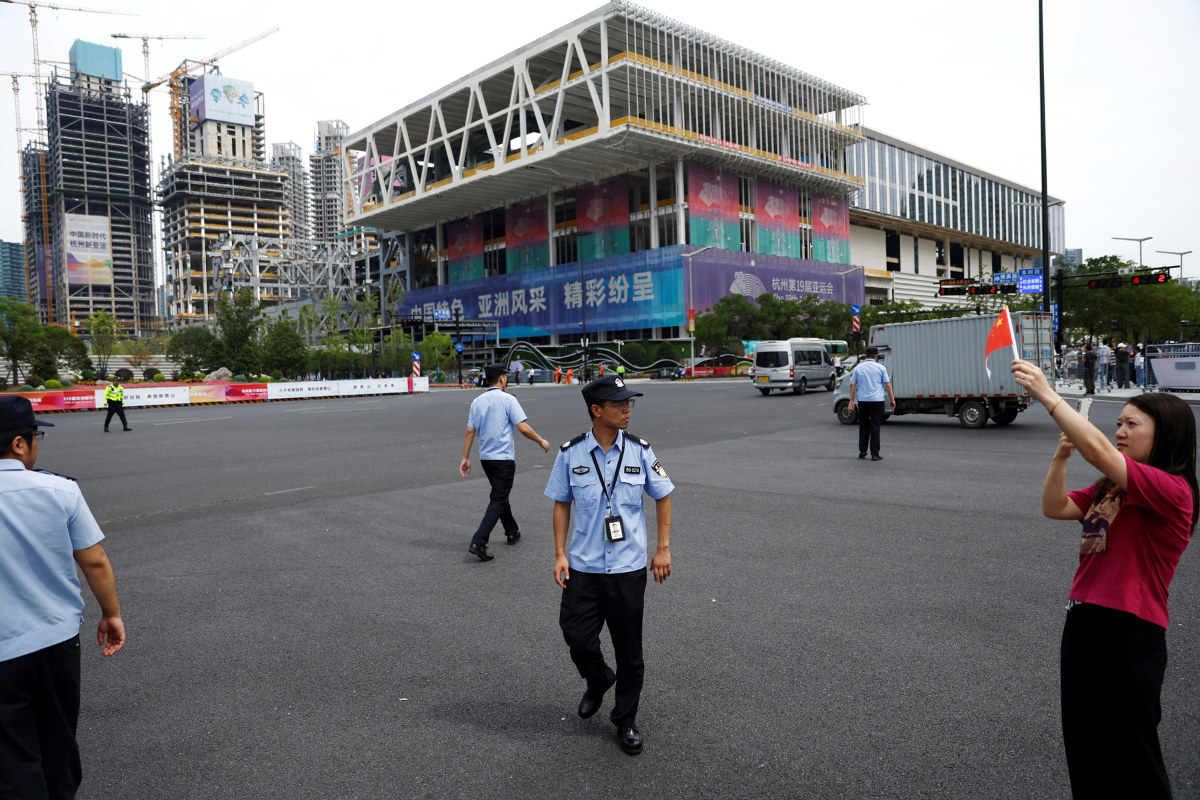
41	116
21	163
146	37
175	78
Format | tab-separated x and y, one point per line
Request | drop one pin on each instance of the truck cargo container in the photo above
937	367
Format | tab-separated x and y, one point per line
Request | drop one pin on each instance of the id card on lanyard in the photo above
614	526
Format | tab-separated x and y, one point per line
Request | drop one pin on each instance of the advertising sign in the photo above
220	98
1029	281
718	273
153	396
240	392
373	386
525	238
79	398
777	212
831	229
293	391
602	219
87	244
464	250
44	401
206	393
713	199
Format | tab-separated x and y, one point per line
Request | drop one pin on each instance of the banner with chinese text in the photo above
526	242
777	214
602	219
464	250
713	204
831	229
87	246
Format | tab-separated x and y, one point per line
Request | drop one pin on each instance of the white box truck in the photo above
937	367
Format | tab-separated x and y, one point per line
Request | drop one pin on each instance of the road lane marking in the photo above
285	491
182	421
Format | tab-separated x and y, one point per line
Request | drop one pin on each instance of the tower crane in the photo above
146	37
21	162
41	116
174	79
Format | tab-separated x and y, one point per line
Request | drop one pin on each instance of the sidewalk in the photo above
1075	389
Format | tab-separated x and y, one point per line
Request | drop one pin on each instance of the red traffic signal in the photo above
945	290
1147	280
1105	283
985	289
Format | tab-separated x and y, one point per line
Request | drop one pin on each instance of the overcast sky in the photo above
954	76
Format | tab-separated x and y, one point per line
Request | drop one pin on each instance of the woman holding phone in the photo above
1137	520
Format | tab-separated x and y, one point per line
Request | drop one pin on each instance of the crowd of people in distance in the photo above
1106	365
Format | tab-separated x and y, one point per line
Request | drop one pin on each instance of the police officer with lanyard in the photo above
604	472
114	398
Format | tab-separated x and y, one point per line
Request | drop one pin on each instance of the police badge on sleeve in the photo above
658	469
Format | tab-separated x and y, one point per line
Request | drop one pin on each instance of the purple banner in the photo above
718	273
713	206
602	219
777	212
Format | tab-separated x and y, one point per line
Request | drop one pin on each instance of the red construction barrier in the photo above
240	392
74	399
44	401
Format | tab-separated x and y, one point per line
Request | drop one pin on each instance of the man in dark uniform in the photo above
604	472
114	398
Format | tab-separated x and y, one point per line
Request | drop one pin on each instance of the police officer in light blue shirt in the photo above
46	529
604	473
493	416
870	387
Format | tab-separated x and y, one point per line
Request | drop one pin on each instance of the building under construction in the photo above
327	187
289	158
88	239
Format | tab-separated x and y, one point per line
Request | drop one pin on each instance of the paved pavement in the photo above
305	622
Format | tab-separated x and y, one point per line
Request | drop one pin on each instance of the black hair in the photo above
8	437
592	416
496	379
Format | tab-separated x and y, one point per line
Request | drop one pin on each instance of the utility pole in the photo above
1139	241
458	342
1045	190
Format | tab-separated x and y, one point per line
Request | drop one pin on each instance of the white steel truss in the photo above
610	92
279	271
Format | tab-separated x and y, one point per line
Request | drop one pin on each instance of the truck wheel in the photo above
1005	417
832	385
973	414
803	387
845	415
765	392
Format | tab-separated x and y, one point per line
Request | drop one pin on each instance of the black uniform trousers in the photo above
39	710
870	420
591	600
1112	666
500	475
118	408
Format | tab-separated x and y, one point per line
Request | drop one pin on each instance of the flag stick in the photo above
1011	334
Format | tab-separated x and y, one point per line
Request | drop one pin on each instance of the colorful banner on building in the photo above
713	201
220	98
526	243
464	250
777	214
87	245
831	229
602	219
636	290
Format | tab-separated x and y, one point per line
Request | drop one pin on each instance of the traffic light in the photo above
948	290
984	289
1105	283
1008	288
1149	280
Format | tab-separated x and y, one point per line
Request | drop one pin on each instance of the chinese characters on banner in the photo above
464	250
525	238
831	229
777	211
87	244
713	200
602	219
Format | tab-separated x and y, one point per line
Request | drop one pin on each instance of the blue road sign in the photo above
1000	278
1029	281
856	309
416	355
441	313
458	347
1053	311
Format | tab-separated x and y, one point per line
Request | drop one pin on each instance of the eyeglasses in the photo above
620	405
38	434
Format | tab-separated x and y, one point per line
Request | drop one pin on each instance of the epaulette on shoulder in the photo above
573	442
55	474
633	437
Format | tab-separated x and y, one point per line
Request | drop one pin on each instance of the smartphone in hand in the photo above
1085	408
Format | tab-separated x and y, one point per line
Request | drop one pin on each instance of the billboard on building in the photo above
87	248
602	219
464	250
526	243
831	229
777	213
224	99
713	203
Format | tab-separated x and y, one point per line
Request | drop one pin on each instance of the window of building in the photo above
892	249
871	158
912	205
920	174
892	164
902	178
916	255
954	216
939	212
937	179
921	209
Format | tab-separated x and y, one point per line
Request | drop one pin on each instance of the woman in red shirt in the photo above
1137	520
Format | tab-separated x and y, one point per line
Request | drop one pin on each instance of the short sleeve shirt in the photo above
43	520
492	417
870	376
1145	542
574	479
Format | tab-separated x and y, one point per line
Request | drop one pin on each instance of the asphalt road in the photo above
305	622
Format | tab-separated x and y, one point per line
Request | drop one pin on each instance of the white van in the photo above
794	364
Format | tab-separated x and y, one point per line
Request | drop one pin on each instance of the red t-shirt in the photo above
1145	542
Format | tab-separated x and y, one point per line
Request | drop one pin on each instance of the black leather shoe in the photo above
877	458
106	430
590	703
126	429
516	537
481	551
630	739
862	455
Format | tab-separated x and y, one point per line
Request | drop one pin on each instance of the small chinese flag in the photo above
999	337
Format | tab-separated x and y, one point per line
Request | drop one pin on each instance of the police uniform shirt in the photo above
492	417
116	393
43	520
574	478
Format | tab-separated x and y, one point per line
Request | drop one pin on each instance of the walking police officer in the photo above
604	472
46	529
114	398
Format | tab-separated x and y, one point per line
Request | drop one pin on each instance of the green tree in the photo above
102	326
19	332
66	348
249	360
309	323
216	356
283	348
140	357
665	350
237	319
192	343
634	353
437	350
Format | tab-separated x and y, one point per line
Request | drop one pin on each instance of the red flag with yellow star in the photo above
1000	336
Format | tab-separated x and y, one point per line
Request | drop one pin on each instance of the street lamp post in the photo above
1139	241
1045	190
692	304
1180	253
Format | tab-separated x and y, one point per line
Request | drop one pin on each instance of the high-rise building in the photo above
323	167
1073	255
12	270
35	218
290	159
220	185
94	241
